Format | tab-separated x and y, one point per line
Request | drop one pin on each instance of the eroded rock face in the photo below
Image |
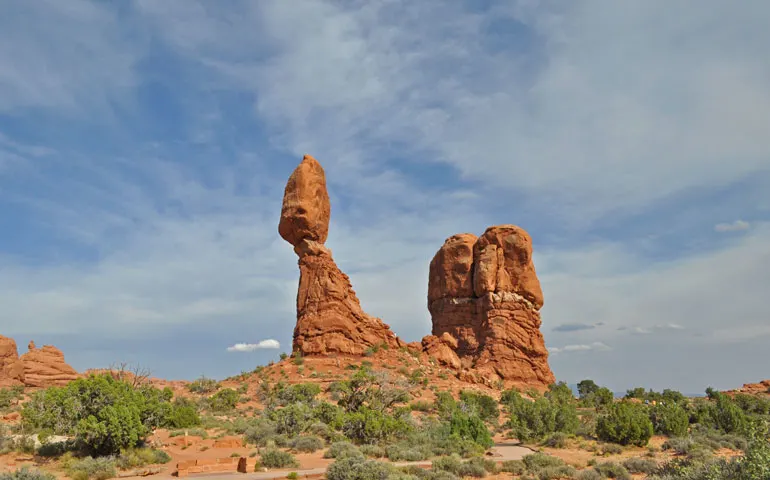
484	294
45	367
329	315
11	368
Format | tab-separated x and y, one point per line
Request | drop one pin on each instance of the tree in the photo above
625	423
586	387
471	427
669	419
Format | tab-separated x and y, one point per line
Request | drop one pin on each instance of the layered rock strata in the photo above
330	319
485	298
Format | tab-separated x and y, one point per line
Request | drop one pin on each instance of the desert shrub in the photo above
203	386
139	457
473	470
538	461
752	404
486	463
450	463
407	453
421	406
194	432
353	468
307	444
484	406
553	473
611	449
556	440
274	458
589	475
24	473
367	425
640	465
184	417
516	467
329	414
625	423
223	401
470	427
340	450
10	396
599	398
532	420
669	419
292	476
301	392
292	419
103	413
89	468
680	446
372	451
715	439
612	470
260	431
721	413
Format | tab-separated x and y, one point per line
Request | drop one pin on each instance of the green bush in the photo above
484	406
516	467
407	453
223	401
451	463
611	449
274	458
301	392
589	475
373	451
367	425
556	440
669	419
203	386
533	420
553	473
538	461
104	414
612	470
292	476
468	469
292	419
185	416
10	396
260	431
340	450
24	473
354	468
139	457
625	423
640	465
89	468
470	427
307	444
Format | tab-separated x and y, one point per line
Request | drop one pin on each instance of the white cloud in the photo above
598	346
250	347
736	226
592	123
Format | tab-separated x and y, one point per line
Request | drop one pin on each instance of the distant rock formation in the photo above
45	367
11	368
485	298
329	316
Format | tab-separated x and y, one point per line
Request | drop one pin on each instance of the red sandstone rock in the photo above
329	315
306	208
11	368
45	367
488	302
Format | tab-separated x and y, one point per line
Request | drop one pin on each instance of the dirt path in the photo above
500	452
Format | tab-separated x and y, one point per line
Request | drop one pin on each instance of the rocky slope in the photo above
39	367
485	298
329	316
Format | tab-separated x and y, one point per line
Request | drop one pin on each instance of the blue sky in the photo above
144	147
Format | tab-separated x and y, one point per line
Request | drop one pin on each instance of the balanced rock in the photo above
485	297
45	367
11	368
329	316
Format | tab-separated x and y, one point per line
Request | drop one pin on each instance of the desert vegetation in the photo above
371	420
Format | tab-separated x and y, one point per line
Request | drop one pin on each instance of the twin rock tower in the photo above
483	295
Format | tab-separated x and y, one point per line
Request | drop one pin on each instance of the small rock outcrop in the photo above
45	367
329	316
11	368
485	298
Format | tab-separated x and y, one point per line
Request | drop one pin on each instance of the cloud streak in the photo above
269	344
736	226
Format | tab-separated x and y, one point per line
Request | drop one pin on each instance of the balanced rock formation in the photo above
329	315
45	367
11	368
485	298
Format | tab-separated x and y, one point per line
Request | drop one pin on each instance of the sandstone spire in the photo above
329	315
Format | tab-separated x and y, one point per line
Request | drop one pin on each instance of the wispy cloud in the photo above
250	347
736	226
596	346
575	327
